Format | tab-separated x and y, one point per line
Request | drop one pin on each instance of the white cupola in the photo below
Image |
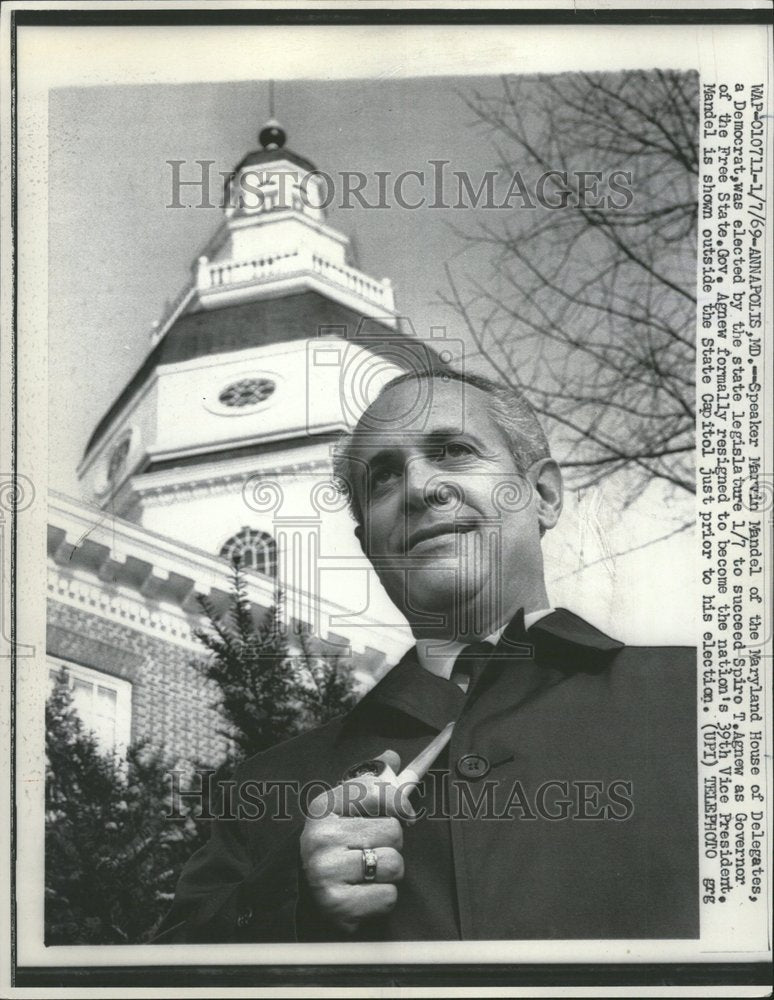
222	440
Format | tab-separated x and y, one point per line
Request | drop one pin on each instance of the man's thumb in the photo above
391	759
400	804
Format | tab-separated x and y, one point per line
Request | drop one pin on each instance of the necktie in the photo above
470	663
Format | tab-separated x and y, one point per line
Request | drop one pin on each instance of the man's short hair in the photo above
510	410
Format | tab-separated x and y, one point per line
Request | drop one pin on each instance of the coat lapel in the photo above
558	644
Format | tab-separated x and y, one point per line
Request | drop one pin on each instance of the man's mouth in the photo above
435	531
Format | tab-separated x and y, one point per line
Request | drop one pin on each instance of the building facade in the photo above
221	445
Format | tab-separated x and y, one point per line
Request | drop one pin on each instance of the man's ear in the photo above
546	478
360	535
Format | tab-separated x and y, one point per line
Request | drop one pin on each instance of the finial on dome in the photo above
272	135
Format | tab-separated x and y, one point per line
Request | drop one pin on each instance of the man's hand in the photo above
362	813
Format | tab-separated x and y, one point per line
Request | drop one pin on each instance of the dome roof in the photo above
272	138
256	324
259	157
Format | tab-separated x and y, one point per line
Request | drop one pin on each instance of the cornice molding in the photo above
150	582
120	606
169	488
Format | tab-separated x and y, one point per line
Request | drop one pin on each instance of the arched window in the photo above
253	549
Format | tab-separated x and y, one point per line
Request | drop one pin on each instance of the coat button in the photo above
472	766
244	918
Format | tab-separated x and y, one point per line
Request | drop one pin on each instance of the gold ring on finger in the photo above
369	864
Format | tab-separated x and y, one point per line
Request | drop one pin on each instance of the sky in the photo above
117	253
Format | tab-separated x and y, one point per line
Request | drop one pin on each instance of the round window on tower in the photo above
247	392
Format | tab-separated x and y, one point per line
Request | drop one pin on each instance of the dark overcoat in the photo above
565	806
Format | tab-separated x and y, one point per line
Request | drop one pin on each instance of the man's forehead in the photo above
420	408
366	444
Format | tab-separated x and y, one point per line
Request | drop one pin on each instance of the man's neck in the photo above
482	626
438	656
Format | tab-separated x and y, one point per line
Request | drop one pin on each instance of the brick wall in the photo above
171	702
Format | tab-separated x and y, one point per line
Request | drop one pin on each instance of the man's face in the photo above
450	523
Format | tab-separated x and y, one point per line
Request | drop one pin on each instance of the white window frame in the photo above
121	687
259	541
226	380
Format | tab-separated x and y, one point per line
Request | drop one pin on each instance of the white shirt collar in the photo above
441	660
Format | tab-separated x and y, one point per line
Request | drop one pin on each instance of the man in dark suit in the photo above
564	804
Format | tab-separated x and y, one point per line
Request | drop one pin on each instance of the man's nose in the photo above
426	487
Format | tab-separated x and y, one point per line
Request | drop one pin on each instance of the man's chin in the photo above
436	590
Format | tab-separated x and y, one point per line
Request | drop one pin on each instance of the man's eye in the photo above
381	477
456	449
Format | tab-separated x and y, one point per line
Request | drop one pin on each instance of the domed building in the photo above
220	445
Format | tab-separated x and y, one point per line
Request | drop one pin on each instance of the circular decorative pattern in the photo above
247	392
263	495
329	497
441	494
16	493
512	494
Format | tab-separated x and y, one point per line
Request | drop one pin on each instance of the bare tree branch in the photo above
590	308
626	552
